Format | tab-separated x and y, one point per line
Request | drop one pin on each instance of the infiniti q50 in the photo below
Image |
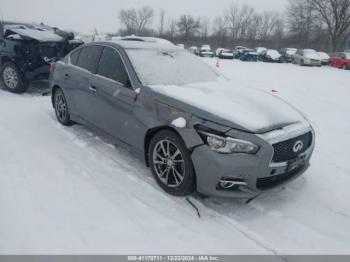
195	129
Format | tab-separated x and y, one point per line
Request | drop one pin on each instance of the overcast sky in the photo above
84	15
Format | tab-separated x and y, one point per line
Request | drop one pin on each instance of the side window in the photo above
74	56
89	57
112	66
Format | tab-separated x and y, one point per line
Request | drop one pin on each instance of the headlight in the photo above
228	145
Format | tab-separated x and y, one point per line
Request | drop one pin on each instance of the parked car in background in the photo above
238	50
182	46
206	51
221	142
249	55
271	55
340	60
27	50
260	50
324	58
226	54
288	54
307	57
217	51
193	50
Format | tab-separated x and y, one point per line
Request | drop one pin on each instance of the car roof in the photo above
137	42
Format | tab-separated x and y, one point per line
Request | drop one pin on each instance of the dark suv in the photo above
27	50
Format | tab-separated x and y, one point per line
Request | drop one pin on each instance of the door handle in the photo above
92	89
66	76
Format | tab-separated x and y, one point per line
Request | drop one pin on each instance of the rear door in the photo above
115	97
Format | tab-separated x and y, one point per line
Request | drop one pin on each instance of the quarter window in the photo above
111	66
74	57
89	57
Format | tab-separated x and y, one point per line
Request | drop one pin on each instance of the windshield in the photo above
161	67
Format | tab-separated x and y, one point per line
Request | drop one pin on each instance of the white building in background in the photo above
85	38
100	38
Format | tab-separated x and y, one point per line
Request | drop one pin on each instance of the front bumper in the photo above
312	62
211	168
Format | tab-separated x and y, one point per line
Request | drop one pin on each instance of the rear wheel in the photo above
13	79
61	108
171	163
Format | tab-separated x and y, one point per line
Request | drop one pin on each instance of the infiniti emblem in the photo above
298	146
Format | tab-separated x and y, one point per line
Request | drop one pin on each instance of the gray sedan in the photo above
196	130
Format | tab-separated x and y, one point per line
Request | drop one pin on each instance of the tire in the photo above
13	78
61	108
344	67
175	178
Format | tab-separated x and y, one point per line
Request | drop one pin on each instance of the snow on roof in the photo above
137	42
40	33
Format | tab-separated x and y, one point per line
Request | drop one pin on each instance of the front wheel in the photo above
171	163
61	108
13	79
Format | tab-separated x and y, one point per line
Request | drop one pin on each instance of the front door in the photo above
114	96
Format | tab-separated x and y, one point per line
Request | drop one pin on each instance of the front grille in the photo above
283	151
266	183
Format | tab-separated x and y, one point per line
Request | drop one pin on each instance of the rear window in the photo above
74	57
89	57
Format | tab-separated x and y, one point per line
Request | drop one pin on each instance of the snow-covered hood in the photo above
274	55
312	56
239	107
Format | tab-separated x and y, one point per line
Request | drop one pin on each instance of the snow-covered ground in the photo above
67	191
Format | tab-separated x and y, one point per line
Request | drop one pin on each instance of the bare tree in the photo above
302	21
136	21
146	15
188	26
268	24
245	19
171	30
129	19
336	15
220	30
253	30
231	18
205	27
162	17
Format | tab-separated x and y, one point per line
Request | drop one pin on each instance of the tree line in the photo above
319	24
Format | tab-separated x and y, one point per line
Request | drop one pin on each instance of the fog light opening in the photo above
230	184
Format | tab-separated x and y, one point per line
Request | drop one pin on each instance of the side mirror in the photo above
137	94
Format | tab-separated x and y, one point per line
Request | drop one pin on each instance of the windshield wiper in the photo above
167	54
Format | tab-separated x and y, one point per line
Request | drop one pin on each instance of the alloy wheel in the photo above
61	106
169	163
11	79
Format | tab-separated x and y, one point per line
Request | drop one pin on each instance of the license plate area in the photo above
295	163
